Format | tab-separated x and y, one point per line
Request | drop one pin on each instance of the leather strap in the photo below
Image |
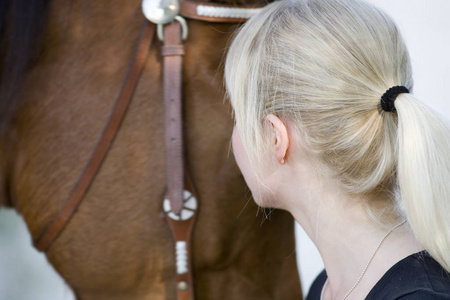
177	177
85	180
190	9
182	233
172	51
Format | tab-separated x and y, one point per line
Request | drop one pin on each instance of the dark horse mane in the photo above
21	26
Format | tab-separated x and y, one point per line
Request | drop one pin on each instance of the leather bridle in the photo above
180	203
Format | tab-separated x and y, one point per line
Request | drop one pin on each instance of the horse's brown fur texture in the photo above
118	245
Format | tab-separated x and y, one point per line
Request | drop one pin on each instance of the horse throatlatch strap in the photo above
85	180
180	202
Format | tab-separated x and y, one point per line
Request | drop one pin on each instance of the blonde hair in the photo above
323	65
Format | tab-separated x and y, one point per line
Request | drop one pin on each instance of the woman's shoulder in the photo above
417	276
425	295
316	287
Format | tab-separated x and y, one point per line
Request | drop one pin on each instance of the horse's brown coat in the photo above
118	245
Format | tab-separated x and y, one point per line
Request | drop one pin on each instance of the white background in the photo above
425	24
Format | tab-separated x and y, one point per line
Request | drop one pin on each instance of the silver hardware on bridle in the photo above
188	210
184	29
162	12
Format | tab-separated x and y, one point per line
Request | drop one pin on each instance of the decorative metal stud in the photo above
188	210
160	11
182	286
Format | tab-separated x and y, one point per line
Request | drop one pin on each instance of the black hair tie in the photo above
388	98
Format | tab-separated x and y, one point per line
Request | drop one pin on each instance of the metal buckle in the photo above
184	29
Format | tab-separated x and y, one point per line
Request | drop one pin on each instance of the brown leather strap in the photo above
176	175
188	9
173	114
107	138
182	232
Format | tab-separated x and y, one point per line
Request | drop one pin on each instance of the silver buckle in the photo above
184	29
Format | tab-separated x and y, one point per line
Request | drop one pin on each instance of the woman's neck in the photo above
344	235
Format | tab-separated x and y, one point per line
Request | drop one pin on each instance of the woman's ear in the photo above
279	131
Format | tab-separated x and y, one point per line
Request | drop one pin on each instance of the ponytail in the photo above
424	175
323	66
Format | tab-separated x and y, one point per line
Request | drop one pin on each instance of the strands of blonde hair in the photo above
322	65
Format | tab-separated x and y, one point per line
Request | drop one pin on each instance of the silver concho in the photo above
188	210
160	11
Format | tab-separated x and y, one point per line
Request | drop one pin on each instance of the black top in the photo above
416	277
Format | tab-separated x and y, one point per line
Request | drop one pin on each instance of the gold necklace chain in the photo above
367	265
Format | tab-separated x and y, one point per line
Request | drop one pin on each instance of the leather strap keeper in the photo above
172	50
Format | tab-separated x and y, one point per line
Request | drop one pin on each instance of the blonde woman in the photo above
328	128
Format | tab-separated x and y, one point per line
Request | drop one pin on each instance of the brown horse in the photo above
56	100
